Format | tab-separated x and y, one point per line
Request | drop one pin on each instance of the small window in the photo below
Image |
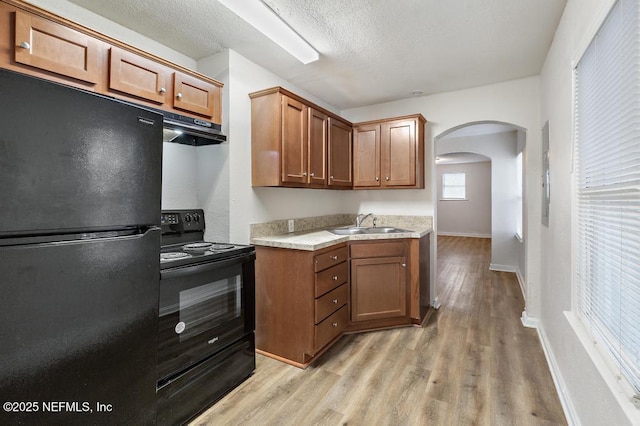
454	186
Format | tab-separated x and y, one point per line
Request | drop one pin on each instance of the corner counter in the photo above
312	233
313	286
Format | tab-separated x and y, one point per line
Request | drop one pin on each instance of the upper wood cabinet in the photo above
340	154
389	153
50	46
317	146
37	42
295	143
196	95
137	76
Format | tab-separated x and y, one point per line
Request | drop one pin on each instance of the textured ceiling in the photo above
371	51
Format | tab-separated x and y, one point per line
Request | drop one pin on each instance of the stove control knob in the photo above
196	217
187	218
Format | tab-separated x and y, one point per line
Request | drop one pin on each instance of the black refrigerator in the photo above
80	186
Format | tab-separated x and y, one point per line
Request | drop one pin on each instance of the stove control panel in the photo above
181	221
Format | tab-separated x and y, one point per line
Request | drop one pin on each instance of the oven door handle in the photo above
207	266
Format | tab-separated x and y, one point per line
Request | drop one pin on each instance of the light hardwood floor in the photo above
472	364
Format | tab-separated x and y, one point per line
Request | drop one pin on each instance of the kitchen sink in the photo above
357	230
384	230
349	230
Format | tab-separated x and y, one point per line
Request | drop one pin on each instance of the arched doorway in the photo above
504	144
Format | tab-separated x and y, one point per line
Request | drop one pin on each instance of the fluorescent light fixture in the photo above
265	20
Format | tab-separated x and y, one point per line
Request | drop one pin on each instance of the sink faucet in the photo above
360	218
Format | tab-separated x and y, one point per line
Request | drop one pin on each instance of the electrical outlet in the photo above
291	226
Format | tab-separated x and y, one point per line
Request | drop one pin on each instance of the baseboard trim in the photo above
502	268
567	406
528	321
462	234
522	286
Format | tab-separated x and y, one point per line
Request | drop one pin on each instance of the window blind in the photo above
607	169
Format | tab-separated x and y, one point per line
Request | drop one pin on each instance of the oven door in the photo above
204	308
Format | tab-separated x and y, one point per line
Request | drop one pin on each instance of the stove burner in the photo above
200	247
173	256
218	246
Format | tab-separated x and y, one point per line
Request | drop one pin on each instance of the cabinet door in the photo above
317	147
196	96
378	288
53	47
340	154
366	153
137	76
294	141
399	153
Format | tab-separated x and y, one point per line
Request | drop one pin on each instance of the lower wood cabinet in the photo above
379	290
301	302
305	300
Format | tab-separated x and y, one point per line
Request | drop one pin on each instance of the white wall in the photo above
470	217
516	102
213	169
502	149
591	401
179	176
247	204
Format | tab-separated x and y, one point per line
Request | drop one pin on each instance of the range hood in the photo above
190	131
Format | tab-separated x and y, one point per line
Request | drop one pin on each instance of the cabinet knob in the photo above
335	278
162	90
312	174
335	324
377	178
179	95
334	257
387	178
25	45
335	301
331	177
404	265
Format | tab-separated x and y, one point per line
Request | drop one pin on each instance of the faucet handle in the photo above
375	221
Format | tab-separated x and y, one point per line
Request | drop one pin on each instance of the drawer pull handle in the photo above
404	265
335	278
179	96
334	257
25	45
335	324
162	90
335	301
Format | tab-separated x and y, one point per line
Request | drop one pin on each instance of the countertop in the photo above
321	238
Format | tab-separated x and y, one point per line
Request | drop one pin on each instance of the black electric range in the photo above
183	241
206	343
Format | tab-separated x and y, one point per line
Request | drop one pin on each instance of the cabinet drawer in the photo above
331	327
386	249
331	302
331	278
325	260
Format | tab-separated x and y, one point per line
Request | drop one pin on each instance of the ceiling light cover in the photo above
265	20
